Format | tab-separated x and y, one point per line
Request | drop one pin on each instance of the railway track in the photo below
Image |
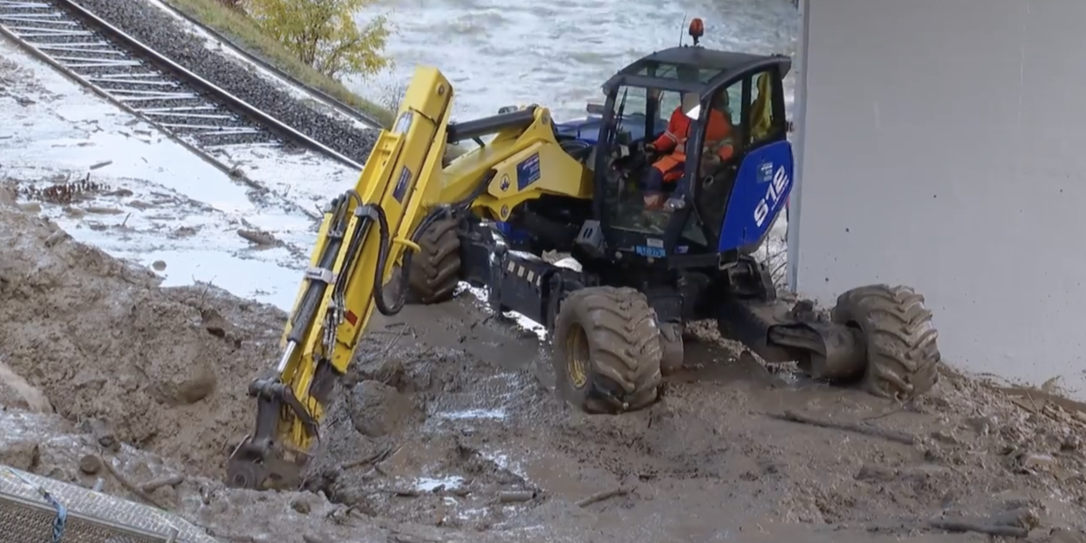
118	67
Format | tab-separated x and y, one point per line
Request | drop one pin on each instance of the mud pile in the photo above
162	369
446	428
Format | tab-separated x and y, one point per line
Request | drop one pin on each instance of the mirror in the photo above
594	108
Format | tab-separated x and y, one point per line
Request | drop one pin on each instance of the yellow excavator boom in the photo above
364	232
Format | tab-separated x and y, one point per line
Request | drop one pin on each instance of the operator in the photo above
672	143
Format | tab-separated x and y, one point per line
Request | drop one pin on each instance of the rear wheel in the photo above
435	269
671	344
607	350
902	354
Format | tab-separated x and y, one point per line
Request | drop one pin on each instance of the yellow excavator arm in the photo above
362	232
365	232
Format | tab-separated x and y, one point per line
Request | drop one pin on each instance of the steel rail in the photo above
271	122
125	97
76	77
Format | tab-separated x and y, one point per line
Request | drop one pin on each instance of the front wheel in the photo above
435	269
902	352
607	350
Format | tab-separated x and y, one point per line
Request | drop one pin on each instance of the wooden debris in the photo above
150	486
516	496
865	429
601	496
131	487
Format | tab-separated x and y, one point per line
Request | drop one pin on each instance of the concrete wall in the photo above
943	146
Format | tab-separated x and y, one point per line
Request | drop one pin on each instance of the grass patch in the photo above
244	33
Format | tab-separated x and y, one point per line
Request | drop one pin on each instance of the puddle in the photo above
428	484
159	201
469	414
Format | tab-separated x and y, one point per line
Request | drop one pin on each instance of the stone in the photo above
377	409
90	464
16	392
22	455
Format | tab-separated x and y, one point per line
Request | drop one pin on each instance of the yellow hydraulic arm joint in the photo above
364	233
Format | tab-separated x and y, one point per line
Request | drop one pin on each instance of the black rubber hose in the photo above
385	241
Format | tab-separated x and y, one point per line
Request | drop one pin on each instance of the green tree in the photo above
323	33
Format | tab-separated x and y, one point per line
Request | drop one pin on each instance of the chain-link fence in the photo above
23	521
81	515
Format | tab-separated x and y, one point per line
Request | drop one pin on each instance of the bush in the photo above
323	33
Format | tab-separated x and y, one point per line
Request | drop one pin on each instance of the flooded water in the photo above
558	53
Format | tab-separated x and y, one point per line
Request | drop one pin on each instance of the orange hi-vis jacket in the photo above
673	141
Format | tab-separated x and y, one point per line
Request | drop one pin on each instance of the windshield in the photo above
644	117
667	70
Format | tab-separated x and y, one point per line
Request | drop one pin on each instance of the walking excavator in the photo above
416	225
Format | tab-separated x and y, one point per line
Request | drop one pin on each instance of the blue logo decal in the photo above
528	171
761	189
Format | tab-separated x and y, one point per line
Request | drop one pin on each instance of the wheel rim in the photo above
577	356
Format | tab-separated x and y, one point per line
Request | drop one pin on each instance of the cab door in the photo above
763	171
716	150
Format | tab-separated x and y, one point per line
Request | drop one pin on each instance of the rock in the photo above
870	472
1036	462
216	324
56	237
59	474
90	464
22	455
1066	535
1071	443
945	437
982	425
18	393
377	409
102	433
301	505
188	385
1022	517
257	237
158	265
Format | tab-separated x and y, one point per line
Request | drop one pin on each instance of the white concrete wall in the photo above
943	146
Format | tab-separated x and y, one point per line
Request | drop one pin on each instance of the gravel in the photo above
162	32
215	124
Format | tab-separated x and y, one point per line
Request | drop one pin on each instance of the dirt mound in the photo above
446	427
163	369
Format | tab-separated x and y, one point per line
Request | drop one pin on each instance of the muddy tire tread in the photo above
435	269
624	342
902	344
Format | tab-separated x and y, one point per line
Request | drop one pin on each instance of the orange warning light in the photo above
697	29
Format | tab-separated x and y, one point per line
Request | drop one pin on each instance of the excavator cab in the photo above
731	182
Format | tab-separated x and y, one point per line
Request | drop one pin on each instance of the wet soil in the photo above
446	427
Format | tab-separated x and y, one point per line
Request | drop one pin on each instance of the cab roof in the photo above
676	67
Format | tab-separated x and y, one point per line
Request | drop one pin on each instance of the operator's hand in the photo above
654	201
650	148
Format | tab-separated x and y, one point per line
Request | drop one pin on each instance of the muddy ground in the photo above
446	428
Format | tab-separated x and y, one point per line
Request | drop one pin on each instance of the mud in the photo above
446	428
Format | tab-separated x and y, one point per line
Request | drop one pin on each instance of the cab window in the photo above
766	123
722	140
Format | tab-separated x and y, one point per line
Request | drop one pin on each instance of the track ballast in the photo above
131	74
